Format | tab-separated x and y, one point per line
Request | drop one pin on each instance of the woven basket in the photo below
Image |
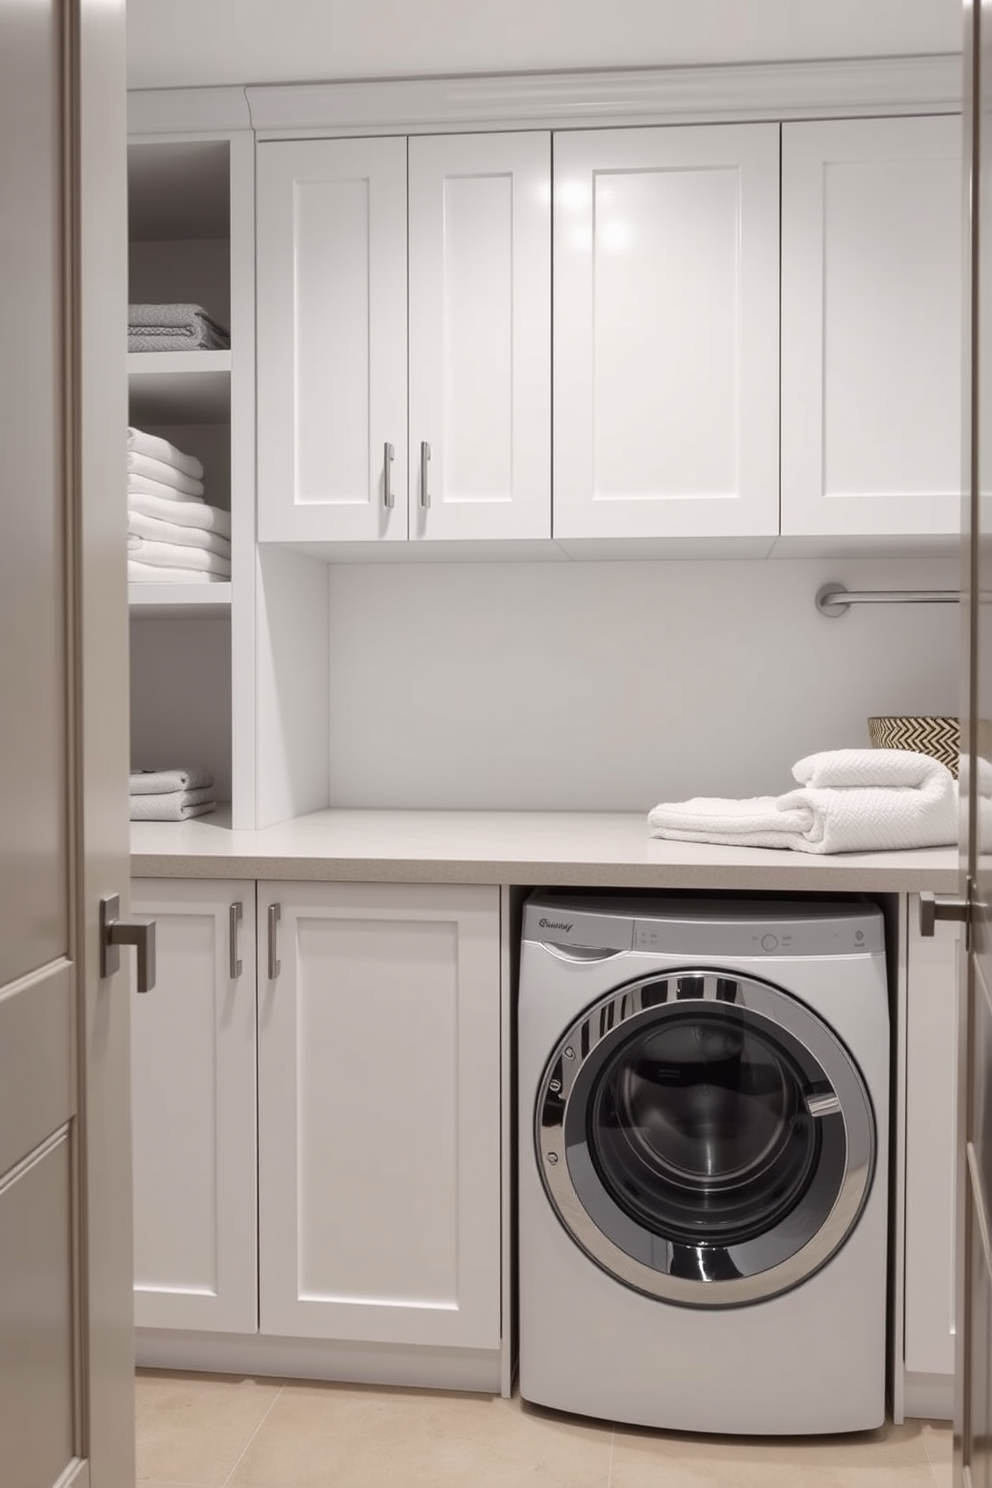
938	737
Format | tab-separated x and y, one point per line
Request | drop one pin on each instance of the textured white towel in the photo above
166	782
141	485
153	528
190	513
835	818
173	806
166	475
174	555
148	573
156	448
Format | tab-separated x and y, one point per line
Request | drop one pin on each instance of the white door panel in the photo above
480	335
332	310
666	332
871	359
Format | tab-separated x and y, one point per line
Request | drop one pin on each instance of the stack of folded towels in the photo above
849	800
172	534
171	795
173	328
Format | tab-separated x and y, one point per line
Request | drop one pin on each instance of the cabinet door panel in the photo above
871	326
931	1163
193	1101
331	260
666	332
480	335
379	1115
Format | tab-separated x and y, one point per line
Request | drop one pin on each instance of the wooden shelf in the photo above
179	601
179	387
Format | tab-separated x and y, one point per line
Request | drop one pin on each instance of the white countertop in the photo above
611	849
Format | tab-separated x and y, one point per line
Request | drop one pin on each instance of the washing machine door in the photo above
705	1137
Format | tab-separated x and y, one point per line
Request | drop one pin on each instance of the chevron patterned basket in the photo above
938	737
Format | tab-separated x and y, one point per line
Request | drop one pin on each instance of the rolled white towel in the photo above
858	767
172	555
167	782
168	475
187	513
153	528
140	485
156	448
149	573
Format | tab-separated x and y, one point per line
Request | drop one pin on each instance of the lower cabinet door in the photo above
379	1111
931	1159
193	1095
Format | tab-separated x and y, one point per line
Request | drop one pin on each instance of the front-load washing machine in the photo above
703	1129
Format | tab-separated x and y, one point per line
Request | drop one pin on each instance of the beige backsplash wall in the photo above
611	686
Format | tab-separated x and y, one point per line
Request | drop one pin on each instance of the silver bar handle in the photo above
236	913
275	965
425	460
115	932
388	499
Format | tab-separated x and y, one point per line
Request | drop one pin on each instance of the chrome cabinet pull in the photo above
388	500
275	965
425	460
115	932
236	967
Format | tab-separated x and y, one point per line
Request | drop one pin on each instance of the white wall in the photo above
176	43
611	686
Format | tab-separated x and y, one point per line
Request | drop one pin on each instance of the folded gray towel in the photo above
175	806
165	782
180	327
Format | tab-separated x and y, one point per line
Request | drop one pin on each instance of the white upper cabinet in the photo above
871	327
480	336
337	353
666	284
331	264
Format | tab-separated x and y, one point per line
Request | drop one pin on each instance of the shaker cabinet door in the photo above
379	1113
193	1109
480	336
871	327
332	327
666	283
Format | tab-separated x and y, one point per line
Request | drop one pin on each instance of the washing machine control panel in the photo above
848	936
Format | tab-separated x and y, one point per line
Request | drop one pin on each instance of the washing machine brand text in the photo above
553	925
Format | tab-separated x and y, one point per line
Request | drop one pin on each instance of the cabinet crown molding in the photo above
773	90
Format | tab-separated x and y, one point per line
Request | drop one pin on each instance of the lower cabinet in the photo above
377	1130
931	1047
193	1109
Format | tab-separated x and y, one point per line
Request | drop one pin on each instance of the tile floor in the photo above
217	1431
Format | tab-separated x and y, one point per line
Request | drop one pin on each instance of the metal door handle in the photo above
425	460
235	967
388	499
933	909
115	932
275	965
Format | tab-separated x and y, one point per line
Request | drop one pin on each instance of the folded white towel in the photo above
167	782
149	573
174	555
188	513
153	528
141	485
172	806
166	475
829	818
156	448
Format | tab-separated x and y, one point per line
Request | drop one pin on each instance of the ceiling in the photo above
183	43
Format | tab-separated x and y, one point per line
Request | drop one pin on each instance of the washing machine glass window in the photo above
705	1138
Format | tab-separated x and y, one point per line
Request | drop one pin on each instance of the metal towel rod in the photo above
834	599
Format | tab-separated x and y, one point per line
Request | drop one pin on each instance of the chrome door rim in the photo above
567	1170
